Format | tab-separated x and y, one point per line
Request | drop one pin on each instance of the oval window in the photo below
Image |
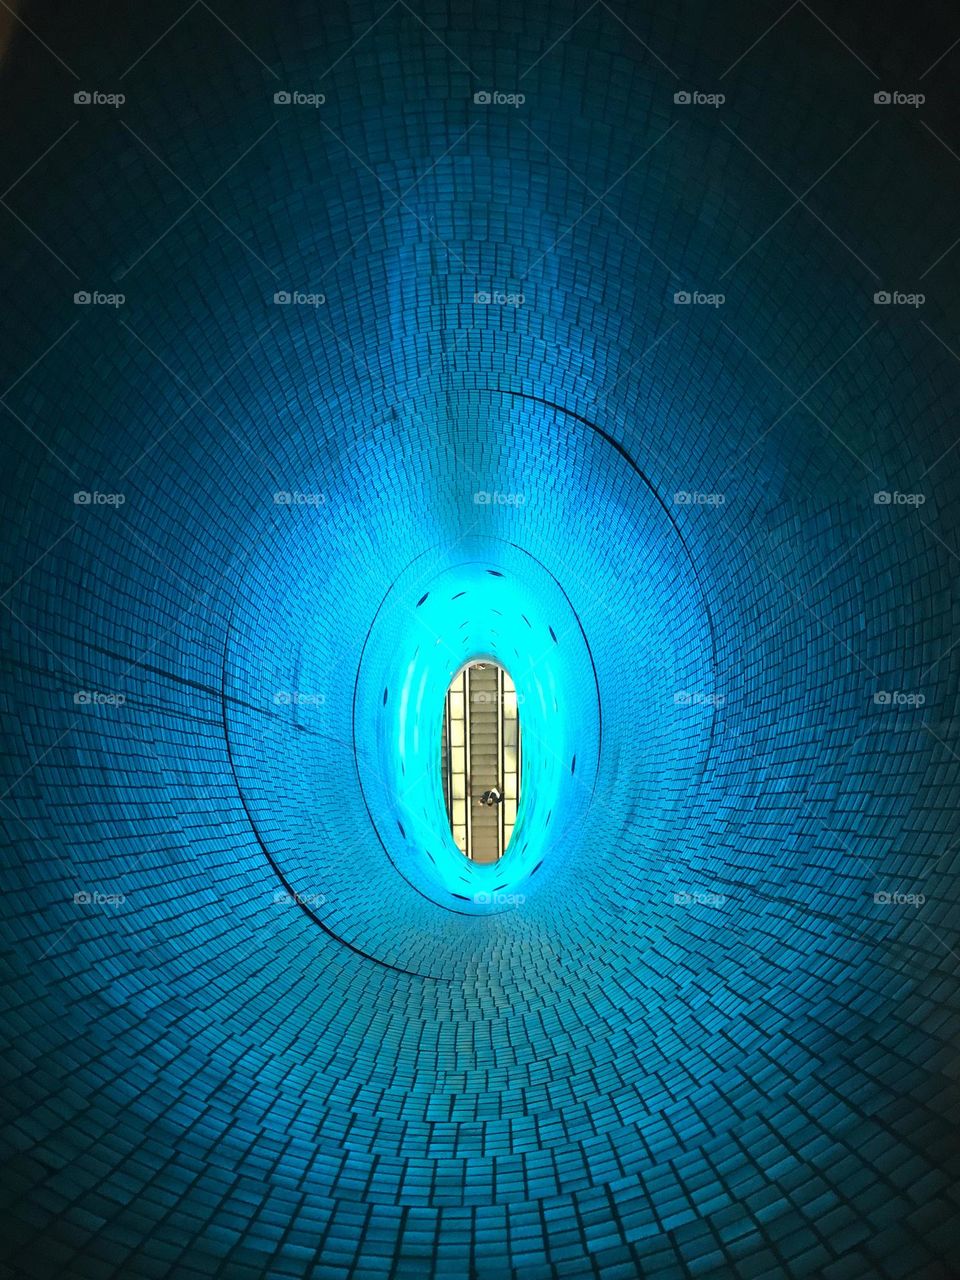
480	760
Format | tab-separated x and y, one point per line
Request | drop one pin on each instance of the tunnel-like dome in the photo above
346	343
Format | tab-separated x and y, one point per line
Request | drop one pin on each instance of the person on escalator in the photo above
492	796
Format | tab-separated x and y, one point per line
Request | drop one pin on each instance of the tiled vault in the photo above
341	305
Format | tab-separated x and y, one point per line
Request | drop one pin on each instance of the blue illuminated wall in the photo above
262	1019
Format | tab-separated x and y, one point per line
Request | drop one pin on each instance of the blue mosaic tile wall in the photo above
342	308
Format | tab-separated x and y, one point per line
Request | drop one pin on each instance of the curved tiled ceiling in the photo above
257	1026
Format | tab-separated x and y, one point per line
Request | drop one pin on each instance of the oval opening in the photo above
480	760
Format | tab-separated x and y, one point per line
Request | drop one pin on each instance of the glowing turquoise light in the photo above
496	604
